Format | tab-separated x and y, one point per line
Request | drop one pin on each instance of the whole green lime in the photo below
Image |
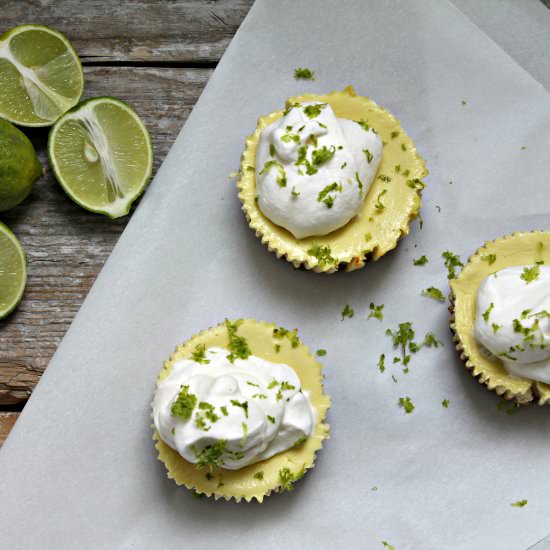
19	166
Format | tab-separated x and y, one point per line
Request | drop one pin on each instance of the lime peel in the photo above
13	271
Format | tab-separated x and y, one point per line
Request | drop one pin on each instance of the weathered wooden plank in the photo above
178	31
7	420
66	246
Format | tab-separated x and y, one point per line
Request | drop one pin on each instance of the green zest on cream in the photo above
281	179
513	320
326	161
530	274
325	196
232	409
184	404
313	111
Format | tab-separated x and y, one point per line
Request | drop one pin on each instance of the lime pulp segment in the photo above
13	271
40	75
102	155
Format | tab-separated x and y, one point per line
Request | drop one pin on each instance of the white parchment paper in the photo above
79	469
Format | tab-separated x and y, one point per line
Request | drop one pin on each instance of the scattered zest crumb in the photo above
420	261
445	403
407	404
303	74
381	360
388	545
452	261
434	293
519	503
347	312
321	352
376	311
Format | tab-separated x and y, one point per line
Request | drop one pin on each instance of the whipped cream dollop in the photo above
513	319
216	412
313	169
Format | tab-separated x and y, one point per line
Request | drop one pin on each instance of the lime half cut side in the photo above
101	154
13	271
40	75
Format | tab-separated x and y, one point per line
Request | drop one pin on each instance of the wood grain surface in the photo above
155	55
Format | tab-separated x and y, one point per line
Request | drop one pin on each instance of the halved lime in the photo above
40	75
101	154
13	271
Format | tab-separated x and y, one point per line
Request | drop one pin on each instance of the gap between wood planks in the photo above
150	64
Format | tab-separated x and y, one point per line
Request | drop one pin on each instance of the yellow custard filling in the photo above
376	230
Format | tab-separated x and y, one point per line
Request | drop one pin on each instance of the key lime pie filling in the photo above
239	410
501	316
330	182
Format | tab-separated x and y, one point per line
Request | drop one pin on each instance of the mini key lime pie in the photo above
501	316
239	411
331	181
